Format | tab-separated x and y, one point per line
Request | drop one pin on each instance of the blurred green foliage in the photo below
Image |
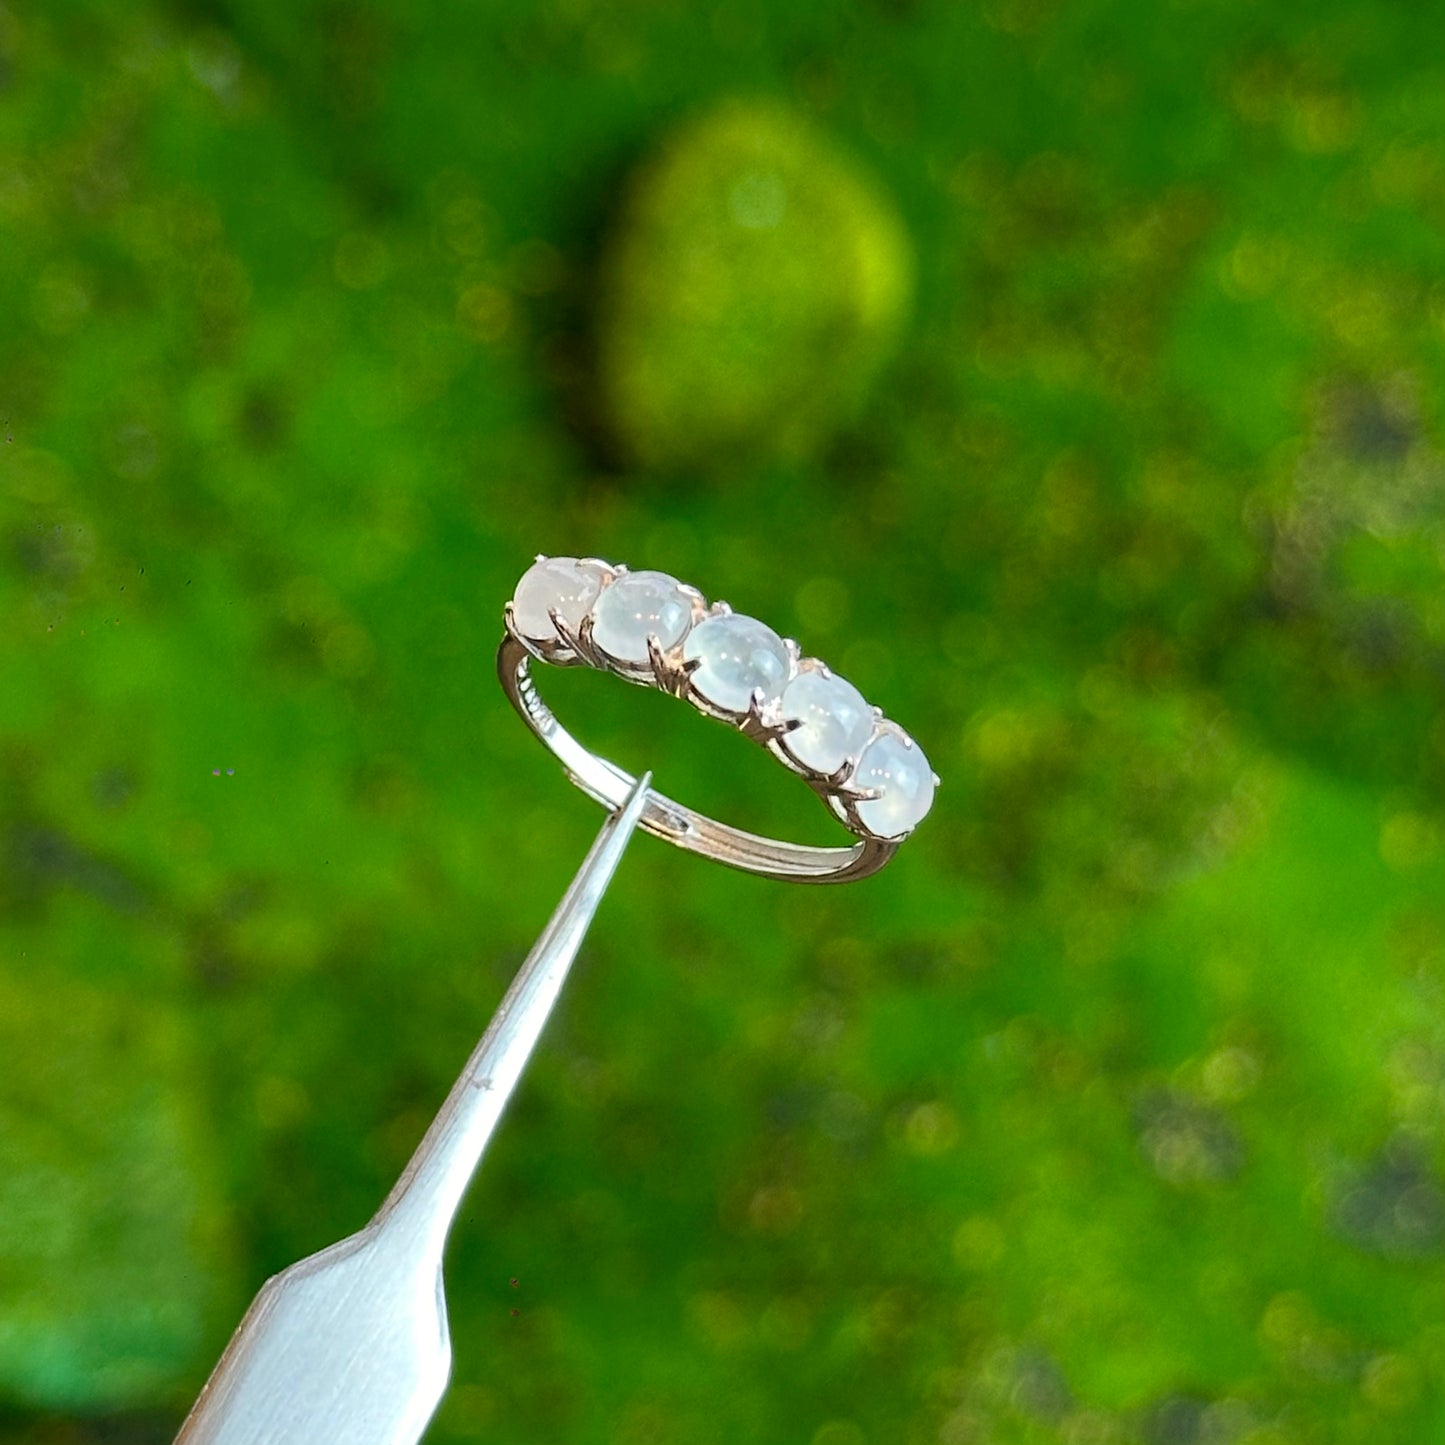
751	287
1114	1110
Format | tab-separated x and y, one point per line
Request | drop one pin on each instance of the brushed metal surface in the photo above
350	1345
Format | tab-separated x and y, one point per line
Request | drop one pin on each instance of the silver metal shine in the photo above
350	1346
610	784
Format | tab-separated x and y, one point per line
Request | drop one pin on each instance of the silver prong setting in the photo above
576	641
669	672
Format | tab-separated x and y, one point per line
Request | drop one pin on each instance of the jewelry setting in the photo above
652	630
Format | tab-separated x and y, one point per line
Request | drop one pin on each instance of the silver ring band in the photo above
551	619
610	786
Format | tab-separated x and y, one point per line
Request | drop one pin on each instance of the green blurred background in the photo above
1067	374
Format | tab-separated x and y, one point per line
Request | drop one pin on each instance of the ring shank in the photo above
611	786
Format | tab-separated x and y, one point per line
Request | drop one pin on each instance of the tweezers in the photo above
351	1344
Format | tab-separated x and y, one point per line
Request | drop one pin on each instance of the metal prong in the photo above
795	653
661	673
584	646
579	640
877	713
836	778
721	608
937	781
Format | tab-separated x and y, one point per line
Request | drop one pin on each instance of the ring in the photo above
650	629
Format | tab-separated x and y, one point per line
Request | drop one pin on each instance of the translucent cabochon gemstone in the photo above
834	720
736	655
904	781
636	605
563	583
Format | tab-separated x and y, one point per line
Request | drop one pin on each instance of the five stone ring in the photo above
650	629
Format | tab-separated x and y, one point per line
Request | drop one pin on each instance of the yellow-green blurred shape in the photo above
113	1259
752	289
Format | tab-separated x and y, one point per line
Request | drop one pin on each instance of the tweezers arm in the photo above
426	1197
350	1346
